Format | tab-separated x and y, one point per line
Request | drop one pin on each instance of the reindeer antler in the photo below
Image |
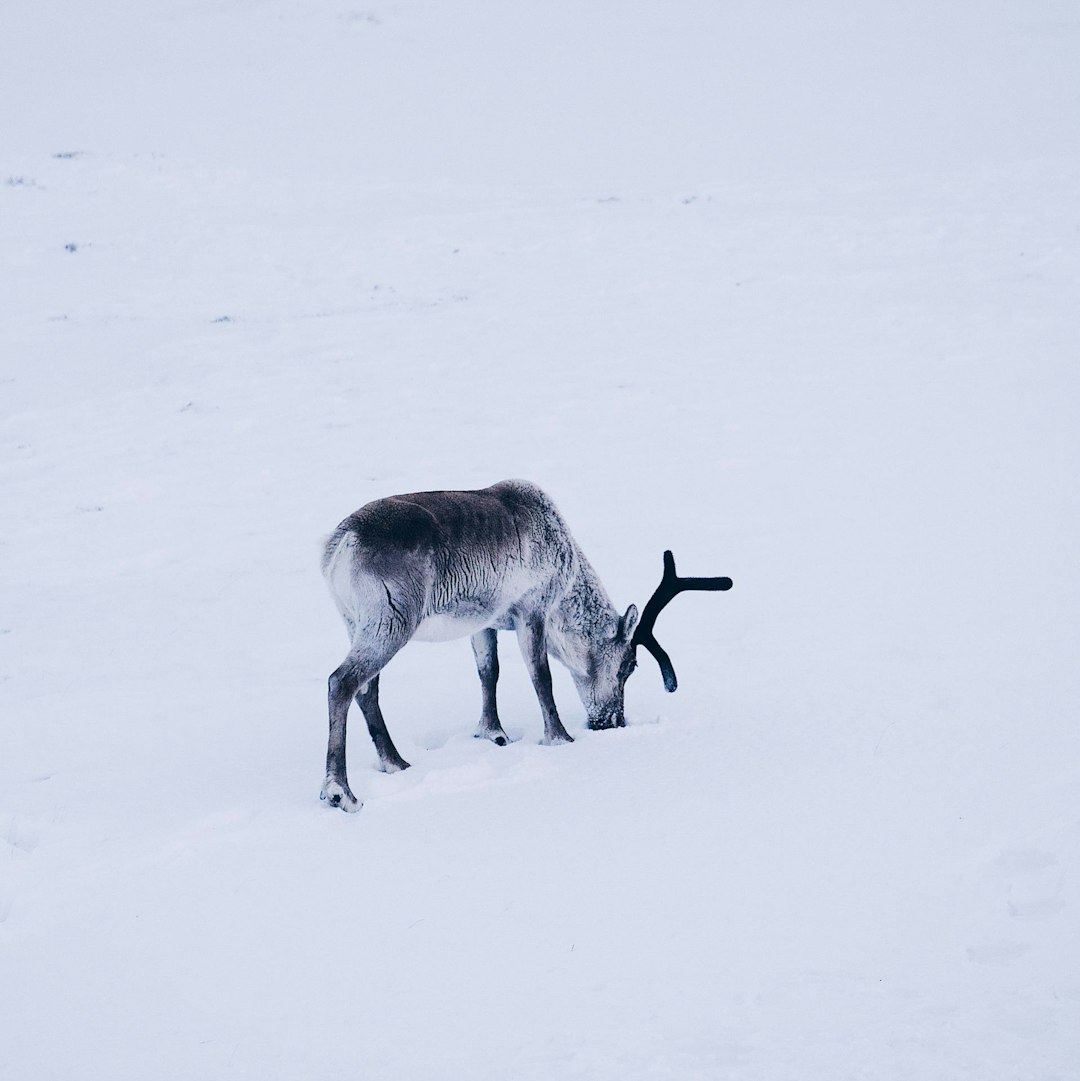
670	586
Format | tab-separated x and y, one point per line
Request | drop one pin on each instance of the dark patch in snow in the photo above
360	18
223	319
71	247
996	953
1036	910
1024	861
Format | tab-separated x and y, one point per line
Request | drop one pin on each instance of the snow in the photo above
789	289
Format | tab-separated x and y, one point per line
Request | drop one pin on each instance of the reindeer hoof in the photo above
557	738
496	735
339	795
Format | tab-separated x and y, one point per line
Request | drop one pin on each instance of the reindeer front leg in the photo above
531	638
485	649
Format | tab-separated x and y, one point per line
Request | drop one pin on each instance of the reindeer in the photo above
432	566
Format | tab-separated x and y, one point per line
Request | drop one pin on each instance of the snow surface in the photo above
789	288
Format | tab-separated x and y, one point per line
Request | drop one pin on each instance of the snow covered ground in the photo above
790	289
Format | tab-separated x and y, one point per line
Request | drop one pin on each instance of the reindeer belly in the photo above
461	622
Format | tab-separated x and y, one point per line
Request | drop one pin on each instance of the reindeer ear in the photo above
628	624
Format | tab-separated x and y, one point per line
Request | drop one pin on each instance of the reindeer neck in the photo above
583	614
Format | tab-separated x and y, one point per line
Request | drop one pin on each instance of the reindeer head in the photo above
610	662
614	657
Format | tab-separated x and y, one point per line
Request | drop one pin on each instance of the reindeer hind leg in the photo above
357	676
340	688
367	698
